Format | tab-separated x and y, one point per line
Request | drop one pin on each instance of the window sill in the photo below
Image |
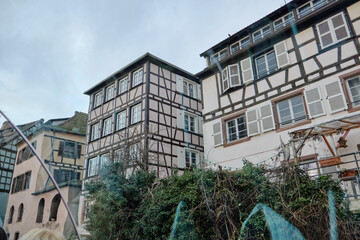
293	125
228	144
353	109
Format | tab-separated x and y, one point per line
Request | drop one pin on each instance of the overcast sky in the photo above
53	51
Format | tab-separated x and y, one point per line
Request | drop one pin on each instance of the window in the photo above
97	99
353	85
54	207
121	120
217	57
87	209
25	154
236	128
16	236
63	175
190	158
109	92
310	7
135	114
106	127
188	89
266	64
123	85
230	76
119	154
11	214
104	159
27	180
69	149
135	153
283	21
92	166
20	212
40	211
332	30
190	123
240	45
21	182
263	32
94	132
137	77
291	110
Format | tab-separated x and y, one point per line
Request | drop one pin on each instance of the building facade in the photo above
33	200
290	84
148	114
8	141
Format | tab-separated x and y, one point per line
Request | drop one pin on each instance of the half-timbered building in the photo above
33	201
149	114
292	75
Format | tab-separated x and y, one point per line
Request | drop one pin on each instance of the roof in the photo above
75	124
137	63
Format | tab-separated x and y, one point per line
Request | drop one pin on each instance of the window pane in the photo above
326	39
241	127
272	65
231	130
245	42
266	31
354	86
234	48
341	33
257	35
261	66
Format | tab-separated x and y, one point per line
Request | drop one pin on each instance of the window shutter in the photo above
314	103
252	122
217	134
180	119
246	69
61	148
234	75
201	162
179	84
200	125
78	151
199	91
181	158
225	79
267	118
335	97
282	56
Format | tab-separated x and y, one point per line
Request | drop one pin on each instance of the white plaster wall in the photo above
354	10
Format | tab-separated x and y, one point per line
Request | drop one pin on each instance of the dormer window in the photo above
218	56
261	33
240	45
283	21
310	7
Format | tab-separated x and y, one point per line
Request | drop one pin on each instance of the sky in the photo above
51	52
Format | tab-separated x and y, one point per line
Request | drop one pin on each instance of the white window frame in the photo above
349	91
109	92
104	160
121	120
135	153
291	111
332	30
123	85
266	64
106	130
137	77
237	129
98	99
187	118
135	112
284	22
262	35
217	57
191	153
187	88
92	166
95	131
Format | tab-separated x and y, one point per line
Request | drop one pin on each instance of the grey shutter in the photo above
180	119
61	148
179	84
225	79
78	150
335	97
217	134
267	118
199	91
282	56
314	103
246	70
181	158
252	122
234	74
200	125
